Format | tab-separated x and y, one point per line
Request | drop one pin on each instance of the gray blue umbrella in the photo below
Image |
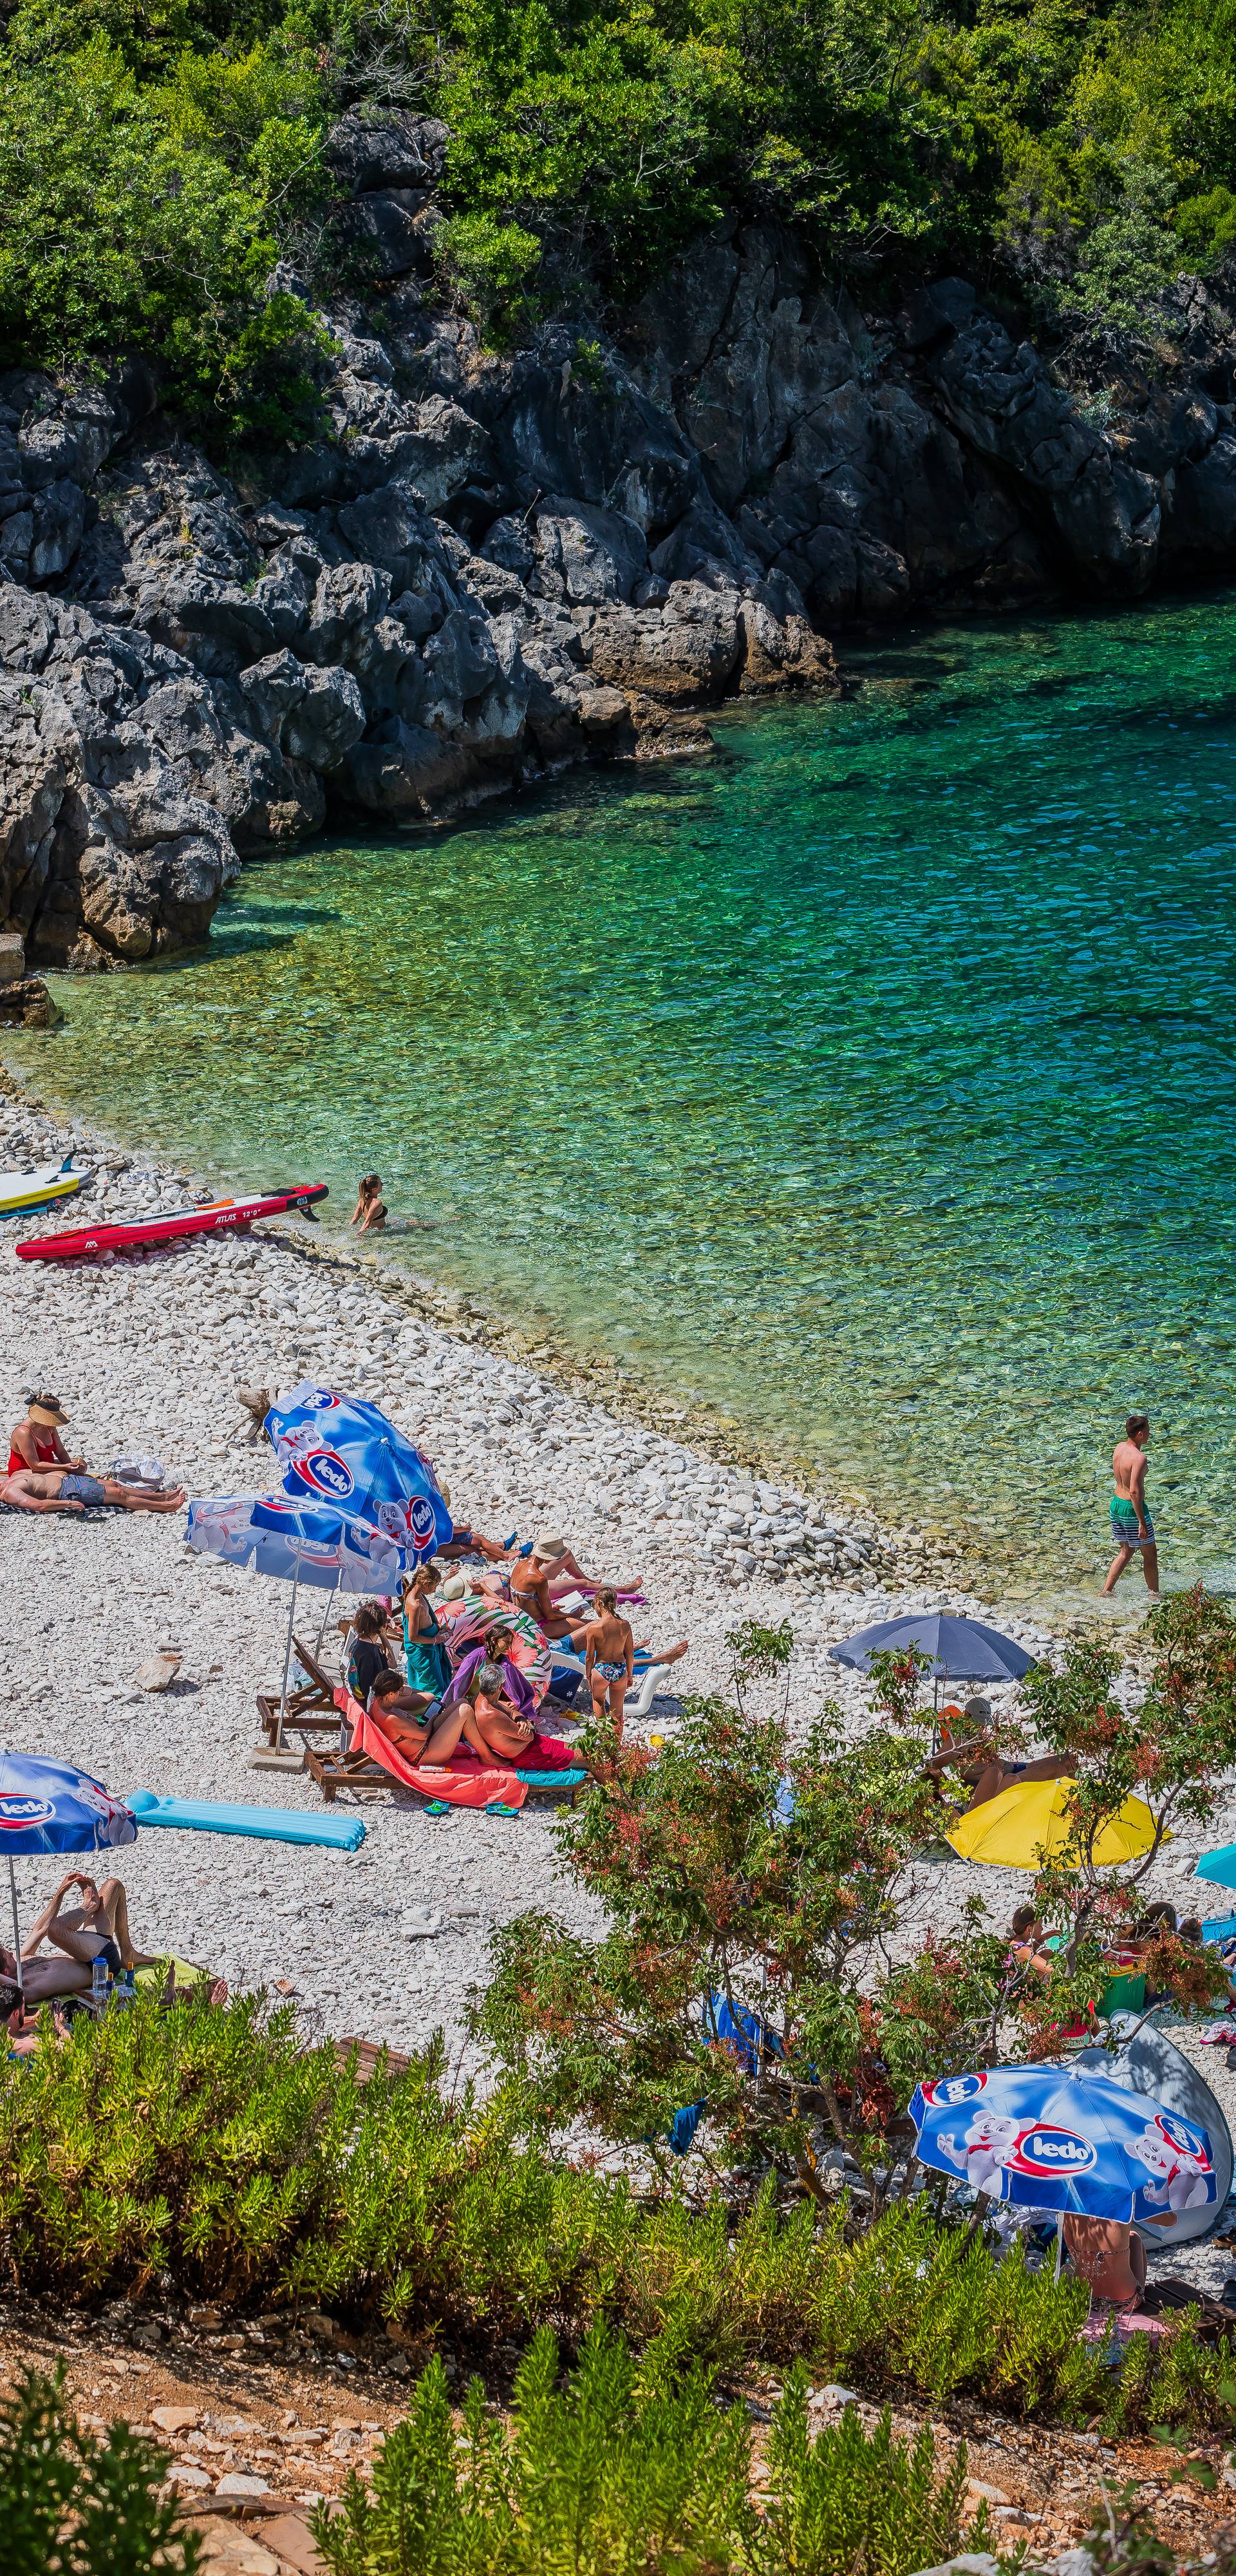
961	1650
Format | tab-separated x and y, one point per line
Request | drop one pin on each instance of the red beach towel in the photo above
468	1787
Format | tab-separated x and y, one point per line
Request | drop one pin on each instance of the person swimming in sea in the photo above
369	1213
1132	1527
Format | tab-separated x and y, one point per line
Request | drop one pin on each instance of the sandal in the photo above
498	1807
437	1807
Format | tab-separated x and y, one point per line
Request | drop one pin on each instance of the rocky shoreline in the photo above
486	568
147	1351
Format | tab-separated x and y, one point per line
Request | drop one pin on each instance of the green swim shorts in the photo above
1124	1524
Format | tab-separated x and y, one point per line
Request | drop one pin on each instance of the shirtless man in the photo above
1132	1527
60	1489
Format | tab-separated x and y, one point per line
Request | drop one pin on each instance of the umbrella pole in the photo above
287	1660
21	1982
1059	2247
331	1599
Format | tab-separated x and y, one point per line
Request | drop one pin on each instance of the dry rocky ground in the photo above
263	2425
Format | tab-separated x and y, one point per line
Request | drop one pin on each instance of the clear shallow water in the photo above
874	1081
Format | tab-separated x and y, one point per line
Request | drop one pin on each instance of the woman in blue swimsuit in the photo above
425	1654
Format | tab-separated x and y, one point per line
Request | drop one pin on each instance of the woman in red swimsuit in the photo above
36	1442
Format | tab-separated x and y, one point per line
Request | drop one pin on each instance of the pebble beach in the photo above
146	1352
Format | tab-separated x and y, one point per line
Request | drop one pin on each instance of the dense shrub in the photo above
632	2466
208	2150
155	165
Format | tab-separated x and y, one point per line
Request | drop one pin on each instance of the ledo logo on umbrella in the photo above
949	2090
1046	2149
1186	2140
421	1522
328	1473
17	1811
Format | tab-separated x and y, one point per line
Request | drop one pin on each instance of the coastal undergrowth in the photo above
207	2155
631	2464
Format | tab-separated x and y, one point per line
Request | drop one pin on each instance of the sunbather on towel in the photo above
418	1726
61	1489
96	1928
495	1728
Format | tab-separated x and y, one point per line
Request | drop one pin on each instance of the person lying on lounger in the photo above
98	1927
413	1723
987	1774
497	1730
61	1489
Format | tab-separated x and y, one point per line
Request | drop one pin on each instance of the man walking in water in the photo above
1132	1527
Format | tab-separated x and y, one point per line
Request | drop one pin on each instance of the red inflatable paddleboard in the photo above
218	1217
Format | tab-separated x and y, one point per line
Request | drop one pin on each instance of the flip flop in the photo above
498	1807
437	1807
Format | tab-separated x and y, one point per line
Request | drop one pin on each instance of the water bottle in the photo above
126	1987
98	1981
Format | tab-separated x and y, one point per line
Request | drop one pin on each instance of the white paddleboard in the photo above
21	1192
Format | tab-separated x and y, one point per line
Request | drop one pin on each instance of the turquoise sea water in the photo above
874	1080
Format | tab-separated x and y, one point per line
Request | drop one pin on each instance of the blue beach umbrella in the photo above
1220	1867
339	1449
297	1542
50	1807
961	1650
1065	2138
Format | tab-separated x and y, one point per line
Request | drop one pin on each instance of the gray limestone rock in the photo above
487	566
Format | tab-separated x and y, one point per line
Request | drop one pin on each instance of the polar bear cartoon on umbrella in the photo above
983	2153
1184	2175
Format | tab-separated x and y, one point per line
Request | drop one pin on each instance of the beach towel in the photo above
459	1785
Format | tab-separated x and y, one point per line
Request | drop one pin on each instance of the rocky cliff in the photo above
485	568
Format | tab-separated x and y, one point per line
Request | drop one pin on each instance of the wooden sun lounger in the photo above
334	1771
311	1710
367	2055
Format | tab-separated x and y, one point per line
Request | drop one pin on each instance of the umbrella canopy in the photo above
531	1652
297	1542
961	1650
1219	1866
49	1807
1029	1822
339	1450
1067	2138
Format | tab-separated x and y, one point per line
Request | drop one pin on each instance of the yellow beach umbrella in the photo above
1029	1820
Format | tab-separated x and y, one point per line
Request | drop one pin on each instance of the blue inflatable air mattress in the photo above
262	1824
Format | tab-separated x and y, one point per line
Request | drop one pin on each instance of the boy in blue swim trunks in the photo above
1132	1527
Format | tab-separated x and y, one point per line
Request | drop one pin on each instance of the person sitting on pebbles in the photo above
35	1441
530	1580
64	1489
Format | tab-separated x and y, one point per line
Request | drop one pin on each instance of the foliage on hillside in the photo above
158	157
